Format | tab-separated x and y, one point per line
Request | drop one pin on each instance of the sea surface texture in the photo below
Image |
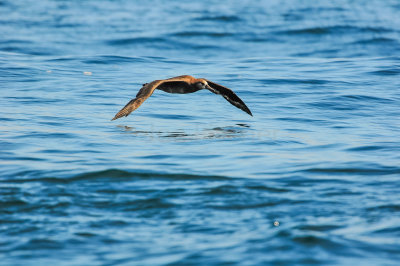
188	179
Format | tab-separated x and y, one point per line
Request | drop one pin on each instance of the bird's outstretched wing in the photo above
129	107
145	92
172	85
229	95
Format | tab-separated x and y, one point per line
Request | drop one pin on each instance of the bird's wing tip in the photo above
117	116
247	110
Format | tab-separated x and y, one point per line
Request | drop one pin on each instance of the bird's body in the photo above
181	84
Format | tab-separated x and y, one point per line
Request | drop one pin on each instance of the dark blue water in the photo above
190	179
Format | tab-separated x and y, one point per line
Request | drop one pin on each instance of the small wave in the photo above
222	190
29	50
261	39
41	135
172	116
333	30
322	241
294	81
319	9
386	207
357	171
202	34
363	98
109	174
15	42
302	120
377	40
114	59
317	227
135	40
268	188
245	205
41	244
313	31
374	148
223	18
143	204
13	203
350	102
6	119
387	72
34	100
394	231
27	159
66	25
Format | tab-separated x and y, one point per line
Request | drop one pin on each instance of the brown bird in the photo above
181	84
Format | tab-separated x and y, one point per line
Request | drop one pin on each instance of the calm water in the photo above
189	179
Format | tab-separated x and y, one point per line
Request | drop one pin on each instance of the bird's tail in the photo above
129	108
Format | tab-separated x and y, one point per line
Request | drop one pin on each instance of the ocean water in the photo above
312	178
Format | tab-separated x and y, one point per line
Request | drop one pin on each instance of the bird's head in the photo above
201	84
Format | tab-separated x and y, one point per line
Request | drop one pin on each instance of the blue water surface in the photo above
188	179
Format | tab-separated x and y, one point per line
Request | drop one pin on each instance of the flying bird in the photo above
181	84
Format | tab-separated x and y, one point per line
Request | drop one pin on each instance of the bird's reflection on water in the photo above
228	132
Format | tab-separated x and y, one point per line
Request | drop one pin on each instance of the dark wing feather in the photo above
176	87
229	95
